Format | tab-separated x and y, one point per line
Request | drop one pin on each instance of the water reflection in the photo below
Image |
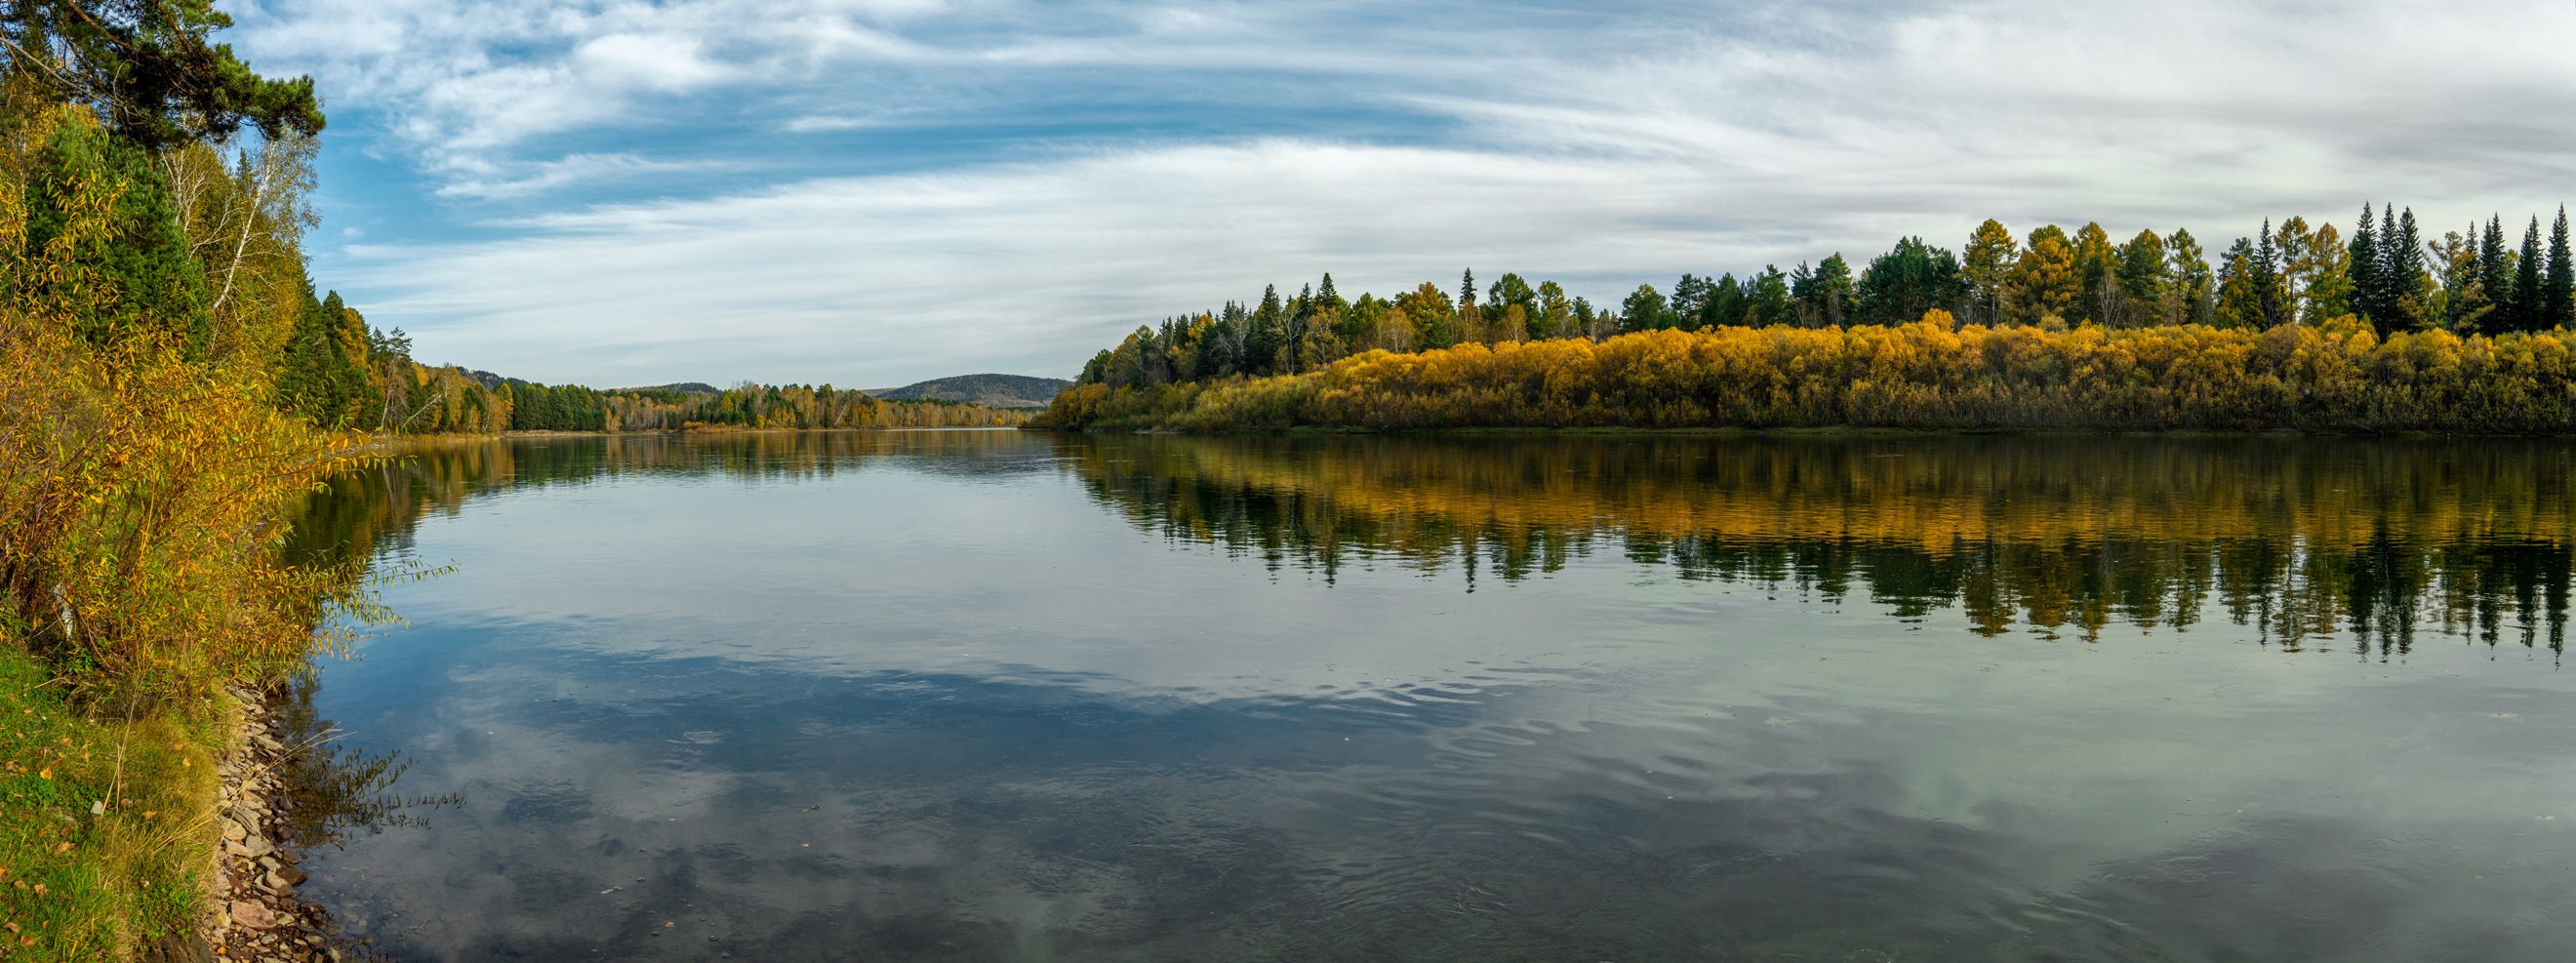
2298	539
989	696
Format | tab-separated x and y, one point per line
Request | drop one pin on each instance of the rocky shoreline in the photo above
257	916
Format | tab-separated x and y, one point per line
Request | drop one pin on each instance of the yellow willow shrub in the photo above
2332	377
141	493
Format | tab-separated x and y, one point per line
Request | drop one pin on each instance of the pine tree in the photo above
2095	267
1261	340
1690	297
1725	303
2401	266
2558	291
2271	296
1767	298
1644	309
2366	285
2495	278
2142	271
2527	307
2240	287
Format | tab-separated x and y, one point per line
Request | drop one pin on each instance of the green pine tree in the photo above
1644	309
2527	308
2495	278
1261	339
157	291
2558	290
2367	287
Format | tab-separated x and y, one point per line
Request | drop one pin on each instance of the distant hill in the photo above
683	387
492	381
997	390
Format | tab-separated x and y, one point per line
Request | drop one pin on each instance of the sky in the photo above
875	192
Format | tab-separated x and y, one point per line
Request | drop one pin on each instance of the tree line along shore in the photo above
2295	328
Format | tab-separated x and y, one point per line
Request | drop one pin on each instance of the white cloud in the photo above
572	169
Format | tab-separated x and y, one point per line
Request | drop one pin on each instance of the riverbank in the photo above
158	835
2334	378
107	834
257	915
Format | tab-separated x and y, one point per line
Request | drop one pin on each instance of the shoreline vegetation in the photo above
2338	377
2295	328
154	328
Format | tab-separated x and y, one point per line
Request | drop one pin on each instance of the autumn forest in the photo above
2294	327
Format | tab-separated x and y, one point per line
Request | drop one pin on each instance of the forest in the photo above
2295	327
340	373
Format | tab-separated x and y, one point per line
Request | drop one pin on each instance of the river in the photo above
999	695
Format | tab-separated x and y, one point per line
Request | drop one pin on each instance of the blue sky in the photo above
873	192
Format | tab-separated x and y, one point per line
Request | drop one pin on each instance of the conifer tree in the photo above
149	64
1830	290
2558	290
1690	297
2142	272
2495	278
2096	266
2527	307
2240	287
1901	285
2270	295
2367	287
1261	339
1725	303
153	286
2402	278
1767	298
1644	309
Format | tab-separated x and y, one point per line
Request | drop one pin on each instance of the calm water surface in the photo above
1012	696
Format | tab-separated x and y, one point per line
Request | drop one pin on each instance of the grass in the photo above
106	832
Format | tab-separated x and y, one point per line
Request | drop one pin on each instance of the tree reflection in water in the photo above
2298	538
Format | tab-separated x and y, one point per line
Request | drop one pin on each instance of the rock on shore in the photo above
256	917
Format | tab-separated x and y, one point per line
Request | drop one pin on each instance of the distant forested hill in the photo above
681	387
997	390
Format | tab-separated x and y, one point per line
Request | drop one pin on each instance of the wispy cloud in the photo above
520	180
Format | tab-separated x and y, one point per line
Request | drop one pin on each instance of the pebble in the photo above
260	919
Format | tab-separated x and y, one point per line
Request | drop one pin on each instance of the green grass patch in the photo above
106	837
